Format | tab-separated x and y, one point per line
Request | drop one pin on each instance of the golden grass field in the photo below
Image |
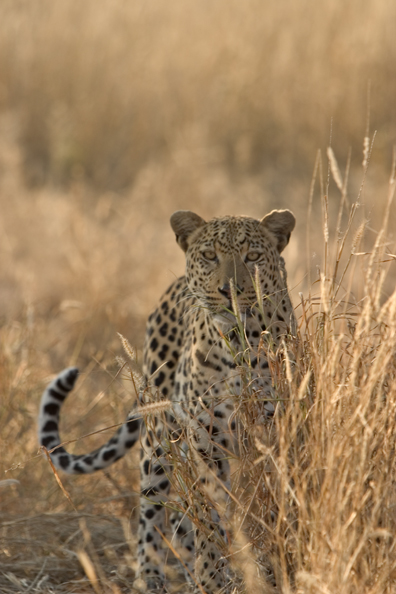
112	116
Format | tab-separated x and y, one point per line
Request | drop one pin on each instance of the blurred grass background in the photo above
115	114
98	93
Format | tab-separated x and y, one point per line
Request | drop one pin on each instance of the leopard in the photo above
232	298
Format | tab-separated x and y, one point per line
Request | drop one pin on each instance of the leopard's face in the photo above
233	258
231	251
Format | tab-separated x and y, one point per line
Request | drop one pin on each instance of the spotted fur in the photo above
195	340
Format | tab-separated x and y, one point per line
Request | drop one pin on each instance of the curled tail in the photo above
117	446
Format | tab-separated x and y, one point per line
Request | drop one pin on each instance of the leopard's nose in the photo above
225	290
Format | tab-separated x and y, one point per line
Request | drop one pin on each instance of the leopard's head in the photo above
233	250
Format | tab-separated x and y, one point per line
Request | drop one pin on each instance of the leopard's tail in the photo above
48	429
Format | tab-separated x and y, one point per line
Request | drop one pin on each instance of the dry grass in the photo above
328	470
41	552
313	497
100	93
110	120
314	494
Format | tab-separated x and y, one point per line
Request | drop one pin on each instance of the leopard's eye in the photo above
253	256
209	255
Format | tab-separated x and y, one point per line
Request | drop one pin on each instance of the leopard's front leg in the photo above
211	443
155	485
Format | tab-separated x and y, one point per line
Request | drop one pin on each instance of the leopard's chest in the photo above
194	360
209	368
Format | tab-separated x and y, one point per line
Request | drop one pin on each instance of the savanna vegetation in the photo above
112	116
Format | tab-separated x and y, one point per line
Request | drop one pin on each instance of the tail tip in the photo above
69	375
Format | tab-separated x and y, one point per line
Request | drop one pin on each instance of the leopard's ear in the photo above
280	223
184	223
